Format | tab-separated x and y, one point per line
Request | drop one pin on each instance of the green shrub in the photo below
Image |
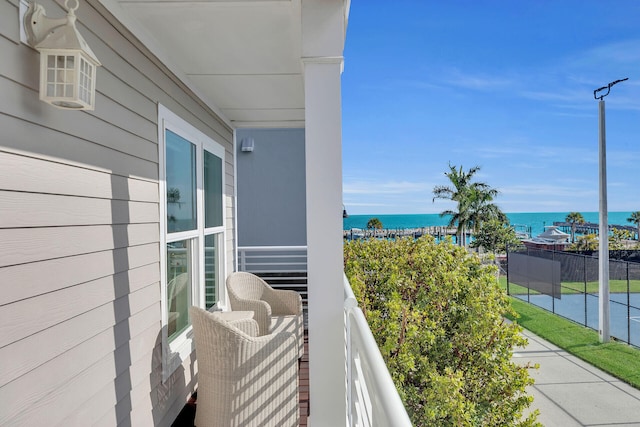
436	314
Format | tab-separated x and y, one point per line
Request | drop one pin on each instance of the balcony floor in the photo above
188	413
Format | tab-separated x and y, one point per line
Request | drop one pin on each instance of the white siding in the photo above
80	309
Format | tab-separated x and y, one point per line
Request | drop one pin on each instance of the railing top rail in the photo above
349	298
272	248
271	255
252	262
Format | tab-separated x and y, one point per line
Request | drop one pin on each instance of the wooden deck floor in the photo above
188	413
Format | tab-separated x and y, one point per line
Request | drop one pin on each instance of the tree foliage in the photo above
574	218
494	236
436	313
474	201
588	242
619	238
635	219
374	223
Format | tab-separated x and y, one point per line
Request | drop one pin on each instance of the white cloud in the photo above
392	187
550	191
475	81
366	204
621	52
573	96
532	155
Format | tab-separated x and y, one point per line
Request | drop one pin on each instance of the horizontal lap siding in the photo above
24	245
24	318
70	271
27	353
32	175
80	310
53	378
9	27
34	210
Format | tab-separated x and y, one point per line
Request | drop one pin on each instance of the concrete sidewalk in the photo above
569	392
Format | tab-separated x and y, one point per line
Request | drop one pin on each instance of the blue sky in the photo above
505	85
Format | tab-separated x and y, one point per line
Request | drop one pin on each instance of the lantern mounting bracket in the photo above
38	25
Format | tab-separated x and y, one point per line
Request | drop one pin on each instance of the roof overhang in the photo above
242	57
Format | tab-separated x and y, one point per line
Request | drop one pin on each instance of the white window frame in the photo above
181	347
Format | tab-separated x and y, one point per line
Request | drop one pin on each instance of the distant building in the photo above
551	239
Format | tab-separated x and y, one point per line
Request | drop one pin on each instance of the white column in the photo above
323	151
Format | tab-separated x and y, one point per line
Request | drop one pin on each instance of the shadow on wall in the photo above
163	397
121	305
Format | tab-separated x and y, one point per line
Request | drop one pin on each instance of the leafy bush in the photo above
436	314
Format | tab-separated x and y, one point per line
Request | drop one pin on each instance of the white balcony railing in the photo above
372	398
283	267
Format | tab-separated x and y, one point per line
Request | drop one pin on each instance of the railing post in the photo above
349	365
243	260
350	302
349	368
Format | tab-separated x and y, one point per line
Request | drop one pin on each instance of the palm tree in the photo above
474	200
635	219
574	218
482	208
374	223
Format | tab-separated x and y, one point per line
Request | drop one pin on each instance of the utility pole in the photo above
604	317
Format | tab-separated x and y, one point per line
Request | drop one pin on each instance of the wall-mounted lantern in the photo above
67	63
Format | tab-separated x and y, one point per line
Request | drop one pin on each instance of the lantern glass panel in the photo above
84	86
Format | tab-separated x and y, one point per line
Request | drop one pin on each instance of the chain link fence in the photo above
566	284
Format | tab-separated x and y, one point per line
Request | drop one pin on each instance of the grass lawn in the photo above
618	359
615	286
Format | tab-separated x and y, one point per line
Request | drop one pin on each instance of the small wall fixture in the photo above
67	63
247	145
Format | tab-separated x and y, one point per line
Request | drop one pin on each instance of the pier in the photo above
593	227
439	232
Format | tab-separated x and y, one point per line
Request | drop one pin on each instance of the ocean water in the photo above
535	220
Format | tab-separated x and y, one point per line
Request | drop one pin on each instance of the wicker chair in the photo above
243	379
275	310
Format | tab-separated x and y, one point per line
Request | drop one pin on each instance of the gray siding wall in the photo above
80	310
271	188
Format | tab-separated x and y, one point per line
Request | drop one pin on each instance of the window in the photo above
192	230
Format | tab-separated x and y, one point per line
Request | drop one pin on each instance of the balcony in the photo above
371	397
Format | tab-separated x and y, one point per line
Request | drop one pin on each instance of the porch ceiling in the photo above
242	56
